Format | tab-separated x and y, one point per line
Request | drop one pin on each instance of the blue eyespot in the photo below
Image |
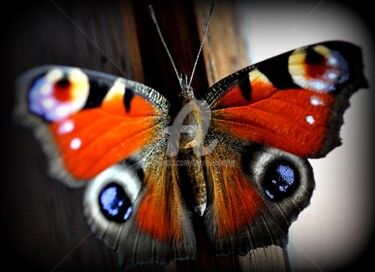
281	180
115	204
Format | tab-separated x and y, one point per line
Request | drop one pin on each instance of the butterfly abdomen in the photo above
194	170
191	140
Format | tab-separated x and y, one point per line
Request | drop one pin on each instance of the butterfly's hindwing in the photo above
256	192
155	227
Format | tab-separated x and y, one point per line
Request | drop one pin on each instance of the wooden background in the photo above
43	225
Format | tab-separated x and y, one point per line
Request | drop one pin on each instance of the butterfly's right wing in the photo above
108	132
267	119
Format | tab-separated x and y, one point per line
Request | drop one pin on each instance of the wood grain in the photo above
224	50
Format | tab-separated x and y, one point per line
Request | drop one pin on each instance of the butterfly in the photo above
243	149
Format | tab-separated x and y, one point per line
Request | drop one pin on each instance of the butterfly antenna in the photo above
201	46
153	17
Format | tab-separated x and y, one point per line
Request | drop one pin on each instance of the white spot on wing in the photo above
318	85
75	143
62	111
316	101
332	61
66	127
332	75
48	103
310	119
46	89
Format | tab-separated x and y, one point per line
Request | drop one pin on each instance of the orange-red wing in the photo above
256	192
136	207
294	102
264	119
95	120
99	140
278	121
235	202
162	212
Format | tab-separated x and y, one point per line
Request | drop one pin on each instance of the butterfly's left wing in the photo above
267	119
87	120
107	132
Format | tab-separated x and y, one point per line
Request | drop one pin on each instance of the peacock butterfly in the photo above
244	147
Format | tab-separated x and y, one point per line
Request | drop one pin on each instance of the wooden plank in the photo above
224	51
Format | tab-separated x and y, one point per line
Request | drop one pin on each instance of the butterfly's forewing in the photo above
108	131
89	120
292	103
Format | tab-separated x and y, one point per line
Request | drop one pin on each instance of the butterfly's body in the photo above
243	147
190	134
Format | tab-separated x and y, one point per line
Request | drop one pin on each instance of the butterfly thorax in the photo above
191	135
190	116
